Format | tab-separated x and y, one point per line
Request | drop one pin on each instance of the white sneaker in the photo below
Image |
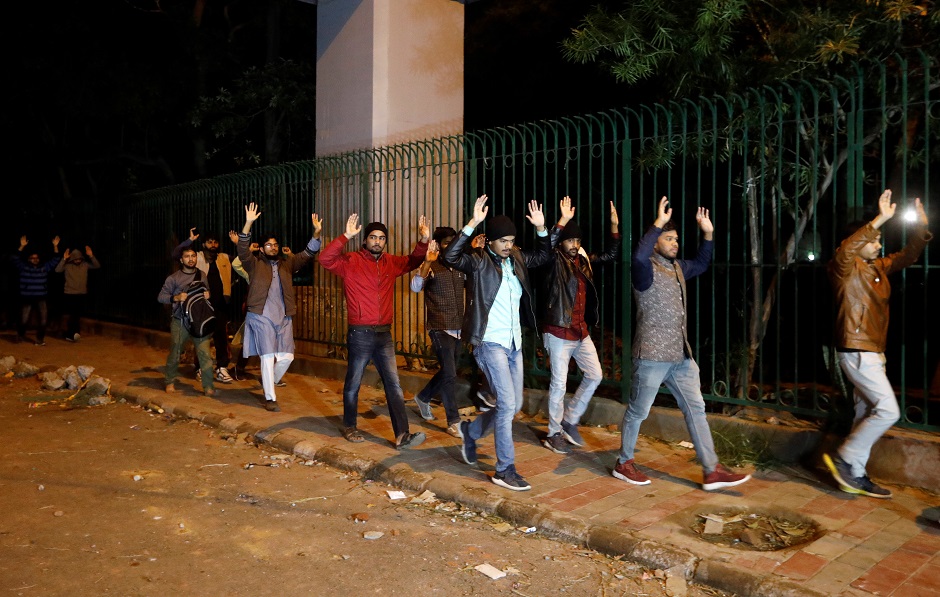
221	375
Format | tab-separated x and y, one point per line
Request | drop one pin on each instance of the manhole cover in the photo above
755	529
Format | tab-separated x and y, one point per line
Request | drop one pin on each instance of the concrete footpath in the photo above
865	546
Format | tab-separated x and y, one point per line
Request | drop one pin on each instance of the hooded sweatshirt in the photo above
76	271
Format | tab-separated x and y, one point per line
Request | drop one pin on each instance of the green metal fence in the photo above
782	171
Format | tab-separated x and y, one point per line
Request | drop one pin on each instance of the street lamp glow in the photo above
811	256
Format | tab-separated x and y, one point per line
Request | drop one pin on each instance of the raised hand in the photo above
424	230
285	250
919	211
55	243
352	226
886	209
614	218
252	212
192	234
23	242
480	210
704	222
66	252
434	250
317	225
665	213
88	251
536	216
479	241
567	211
233	236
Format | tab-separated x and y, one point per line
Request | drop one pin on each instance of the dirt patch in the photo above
754	529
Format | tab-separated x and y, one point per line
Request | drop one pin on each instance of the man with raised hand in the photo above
499	303
862	292
369	286
269	328
444	304
661	350
34	288
572	308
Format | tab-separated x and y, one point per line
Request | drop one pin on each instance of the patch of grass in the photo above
737	447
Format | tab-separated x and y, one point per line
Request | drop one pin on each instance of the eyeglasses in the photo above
271	245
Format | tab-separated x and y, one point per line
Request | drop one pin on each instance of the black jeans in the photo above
220	335
74	306
42	313
446	348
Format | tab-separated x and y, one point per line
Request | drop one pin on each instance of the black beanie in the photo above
500	226
442	232
571	230
375	226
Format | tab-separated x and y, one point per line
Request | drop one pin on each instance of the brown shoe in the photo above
722	477
170	388
272	406
627	471
211	392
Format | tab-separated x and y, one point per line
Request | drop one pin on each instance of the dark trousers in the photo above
73	305
42	313
220	335
446	348
366	345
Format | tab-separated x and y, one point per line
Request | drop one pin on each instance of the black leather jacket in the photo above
562	283
485	274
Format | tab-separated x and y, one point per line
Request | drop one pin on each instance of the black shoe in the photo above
468	447
842	473
510	479
410	440
280	384
571	434
557	444
487	399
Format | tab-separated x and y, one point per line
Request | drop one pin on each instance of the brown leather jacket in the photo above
862	291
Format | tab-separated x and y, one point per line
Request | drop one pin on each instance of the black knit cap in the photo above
571	230
375	226
442	232
500	226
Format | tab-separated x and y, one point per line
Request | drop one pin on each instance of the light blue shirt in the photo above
504	325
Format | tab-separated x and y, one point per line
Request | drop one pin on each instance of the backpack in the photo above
198	314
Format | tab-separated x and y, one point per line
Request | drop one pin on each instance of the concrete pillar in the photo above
388	71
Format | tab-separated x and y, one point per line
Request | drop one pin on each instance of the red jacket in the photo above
369	284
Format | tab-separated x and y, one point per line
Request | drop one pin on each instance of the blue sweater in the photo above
34	279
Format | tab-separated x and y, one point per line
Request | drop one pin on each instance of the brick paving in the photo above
868	546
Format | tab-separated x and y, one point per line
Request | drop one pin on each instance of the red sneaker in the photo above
722	477
627	471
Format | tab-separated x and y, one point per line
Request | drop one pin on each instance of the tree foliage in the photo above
286	91
719	46
734	47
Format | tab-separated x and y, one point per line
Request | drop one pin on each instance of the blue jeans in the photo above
179	335
503	369
682	379
446	348
366	345
560	353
